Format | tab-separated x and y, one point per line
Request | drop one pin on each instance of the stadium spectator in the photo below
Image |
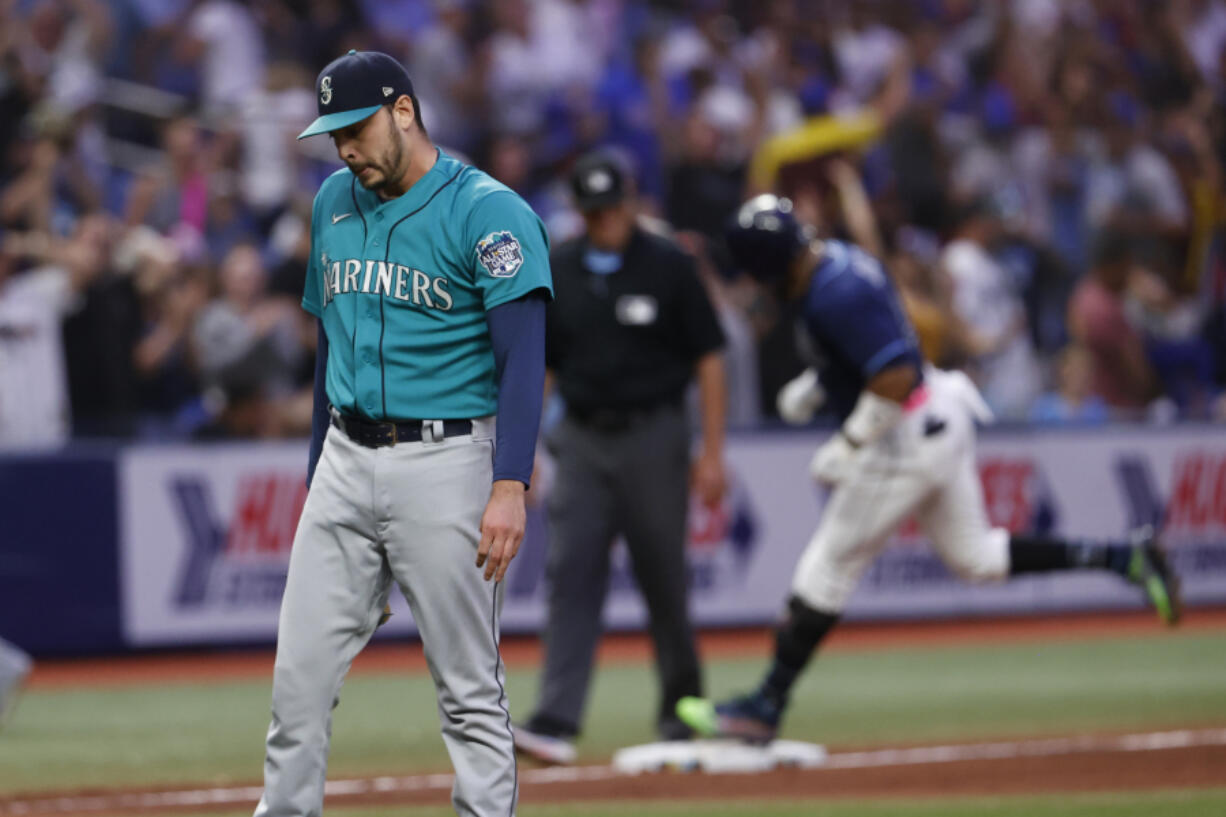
34	398
517	85
1071	402
1053	163
68	40
707	180
170	295
926	295
52	188
1133	187
100	335
247	347
572	41
173	196
267	122
865	49
1171	327
224	37
634	100
439	61
1079	116
1202	24
1121	374
1002	357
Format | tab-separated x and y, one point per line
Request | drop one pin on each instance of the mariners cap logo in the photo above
500	254
355	86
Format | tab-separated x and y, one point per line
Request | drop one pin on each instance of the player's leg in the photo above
1140	559
430	498
957	522
334	595
15	665
858	519
654	491
955	519
582	524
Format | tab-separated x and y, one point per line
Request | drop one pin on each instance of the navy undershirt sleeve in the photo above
517	334
319	412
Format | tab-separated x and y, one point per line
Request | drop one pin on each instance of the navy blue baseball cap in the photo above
764	237
352	87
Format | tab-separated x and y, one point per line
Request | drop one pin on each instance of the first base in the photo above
718	757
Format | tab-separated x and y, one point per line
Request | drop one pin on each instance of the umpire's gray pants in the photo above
410	514
636	483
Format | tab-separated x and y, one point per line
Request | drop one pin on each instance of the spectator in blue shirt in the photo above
1071	402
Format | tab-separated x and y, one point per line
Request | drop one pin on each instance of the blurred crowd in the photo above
1042	177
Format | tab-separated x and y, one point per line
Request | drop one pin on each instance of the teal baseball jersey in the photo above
402	287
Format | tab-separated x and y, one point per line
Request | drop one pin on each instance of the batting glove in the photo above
800	398
832	461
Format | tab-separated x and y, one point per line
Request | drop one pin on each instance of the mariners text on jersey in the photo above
383	278
402	287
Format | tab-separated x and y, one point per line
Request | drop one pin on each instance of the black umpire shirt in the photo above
627	339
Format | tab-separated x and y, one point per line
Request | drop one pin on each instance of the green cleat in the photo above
750	718
699	715
1148	569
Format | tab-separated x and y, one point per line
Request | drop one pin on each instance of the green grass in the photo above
1175	803
388	723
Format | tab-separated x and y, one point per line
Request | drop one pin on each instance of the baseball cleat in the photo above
750	718
674	729
544	748
1149	570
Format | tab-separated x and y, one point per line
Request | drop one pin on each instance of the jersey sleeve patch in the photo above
500	254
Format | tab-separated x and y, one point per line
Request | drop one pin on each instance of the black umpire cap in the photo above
600	179
353	87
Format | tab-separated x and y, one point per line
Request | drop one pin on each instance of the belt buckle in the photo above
395	437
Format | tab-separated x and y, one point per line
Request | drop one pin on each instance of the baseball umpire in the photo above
906	447
630	328
430	281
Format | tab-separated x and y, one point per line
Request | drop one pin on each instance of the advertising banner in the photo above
205	533
205	536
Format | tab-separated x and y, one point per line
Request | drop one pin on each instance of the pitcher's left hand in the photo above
502	528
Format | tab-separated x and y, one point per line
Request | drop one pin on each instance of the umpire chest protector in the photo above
628	338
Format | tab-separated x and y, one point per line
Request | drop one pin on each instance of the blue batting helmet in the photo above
764	237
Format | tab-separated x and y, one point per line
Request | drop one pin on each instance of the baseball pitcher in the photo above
906	448
429	280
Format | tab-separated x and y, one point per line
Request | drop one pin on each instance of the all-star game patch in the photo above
500	254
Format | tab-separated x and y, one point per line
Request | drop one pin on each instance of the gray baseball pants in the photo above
15	665
635	483
408	514
14	662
